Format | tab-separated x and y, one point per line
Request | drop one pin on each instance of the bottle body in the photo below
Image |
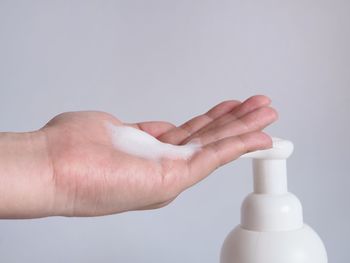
301	245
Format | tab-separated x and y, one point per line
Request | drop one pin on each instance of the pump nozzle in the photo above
281	149
270	167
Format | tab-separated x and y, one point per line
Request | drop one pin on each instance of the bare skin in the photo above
70	167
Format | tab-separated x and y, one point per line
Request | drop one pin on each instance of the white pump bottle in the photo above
272	228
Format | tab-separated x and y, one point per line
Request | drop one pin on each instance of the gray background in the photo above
170	60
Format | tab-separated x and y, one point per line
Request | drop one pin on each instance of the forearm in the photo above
26	187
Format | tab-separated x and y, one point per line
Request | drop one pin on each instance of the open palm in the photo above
91	177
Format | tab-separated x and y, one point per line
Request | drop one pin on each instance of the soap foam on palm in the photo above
139	143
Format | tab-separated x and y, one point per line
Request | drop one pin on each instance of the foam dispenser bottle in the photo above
272	228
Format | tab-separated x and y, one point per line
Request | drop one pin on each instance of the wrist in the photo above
26	179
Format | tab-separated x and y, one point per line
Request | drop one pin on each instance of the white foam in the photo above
139	143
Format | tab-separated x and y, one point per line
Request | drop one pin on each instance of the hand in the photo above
88	176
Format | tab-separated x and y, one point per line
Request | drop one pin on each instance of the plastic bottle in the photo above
272	228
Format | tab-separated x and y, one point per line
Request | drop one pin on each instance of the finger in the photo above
249	105
178	134
219	153
154	128
253	121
